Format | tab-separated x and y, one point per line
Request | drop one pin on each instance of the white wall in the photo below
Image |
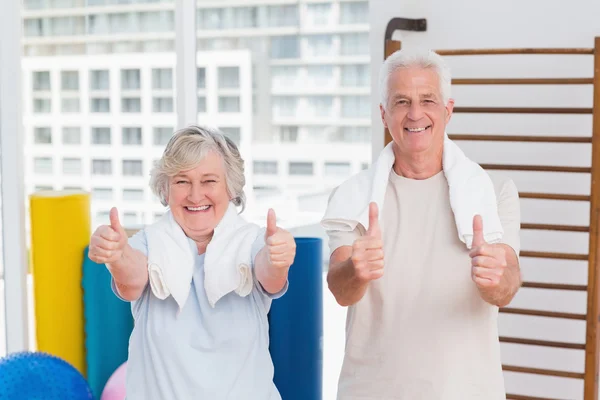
512	23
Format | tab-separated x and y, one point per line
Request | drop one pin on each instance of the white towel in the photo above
227	262
470	187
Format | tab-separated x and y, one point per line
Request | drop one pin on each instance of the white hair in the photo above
186	148
407	58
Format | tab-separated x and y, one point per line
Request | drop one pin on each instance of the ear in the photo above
449	110
382	111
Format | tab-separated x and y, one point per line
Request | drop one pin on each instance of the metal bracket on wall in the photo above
404	24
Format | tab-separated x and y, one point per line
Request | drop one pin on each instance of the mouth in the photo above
198	209
417	130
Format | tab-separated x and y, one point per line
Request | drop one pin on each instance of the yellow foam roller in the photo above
60	231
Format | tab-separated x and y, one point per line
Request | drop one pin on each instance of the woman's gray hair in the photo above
186	148
407	58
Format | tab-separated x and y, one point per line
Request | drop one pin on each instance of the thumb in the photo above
271	223
114	220
478	239
373	220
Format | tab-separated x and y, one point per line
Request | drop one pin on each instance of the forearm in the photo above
344	285
272	278
130	273
510	282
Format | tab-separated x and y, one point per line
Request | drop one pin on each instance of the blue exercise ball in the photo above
41	376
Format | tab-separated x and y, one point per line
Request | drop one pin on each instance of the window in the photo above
130	79
73	188
69	80
131	105
72	166
102	194
43	135
100	105
70	105
284	106
319	46
320	75
229	77
355	75
161	135
42	165
130	218
41	81
71	135
354	44
288	134
101	135
101	167
162	104
103	216
42	106
133	194
201	104
132	168
99	80
162	78
356	106
232	133
354	134
318	13
282	15
320	106
354	13
132	136
42	188
228	104
337	168
285	47
301	168
265	167
201	78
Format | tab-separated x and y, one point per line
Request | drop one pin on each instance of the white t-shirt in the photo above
422	331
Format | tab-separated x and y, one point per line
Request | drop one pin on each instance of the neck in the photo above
202	242
421	165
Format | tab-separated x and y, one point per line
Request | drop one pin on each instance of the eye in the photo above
180	182
210	181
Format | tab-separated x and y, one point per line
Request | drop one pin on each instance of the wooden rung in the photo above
539	313
522	110
564	228
555	256
521	138
483	52
544	343
522	81
540	371
556	286
539	168
510	396
554	196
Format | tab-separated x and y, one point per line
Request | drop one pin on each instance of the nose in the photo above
415	112
196	193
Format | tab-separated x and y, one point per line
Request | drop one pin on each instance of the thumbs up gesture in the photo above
488	261
280	243
108	241
367	251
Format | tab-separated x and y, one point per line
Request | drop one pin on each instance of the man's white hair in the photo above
414	57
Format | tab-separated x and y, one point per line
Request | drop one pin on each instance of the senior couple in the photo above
423	246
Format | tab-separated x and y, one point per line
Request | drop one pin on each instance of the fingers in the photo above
374	228
271	223
107	233
115	224
478	239
488	262
367	242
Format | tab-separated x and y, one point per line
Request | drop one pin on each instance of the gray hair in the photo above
186	148
419	58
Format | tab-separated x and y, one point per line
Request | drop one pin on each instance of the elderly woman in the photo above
200	280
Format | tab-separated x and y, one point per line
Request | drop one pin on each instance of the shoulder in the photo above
139	241
504	187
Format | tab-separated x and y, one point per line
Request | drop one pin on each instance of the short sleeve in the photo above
337	239
137	242
258	244
509	211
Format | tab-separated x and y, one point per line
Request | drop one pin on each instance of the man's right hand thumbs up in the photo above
108	241
367	251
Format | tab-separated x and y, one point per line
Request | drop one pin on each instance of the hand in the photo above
108	241
281	245
488	261
367	251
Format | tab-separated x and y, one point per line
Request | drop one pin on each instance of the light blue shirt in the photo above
203	353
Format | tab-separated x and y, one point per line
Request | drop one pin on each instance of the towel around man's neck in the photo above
470	187
227	261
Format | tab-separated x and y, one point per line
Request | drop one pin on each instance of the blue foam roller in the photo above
108	325
41	376
296	326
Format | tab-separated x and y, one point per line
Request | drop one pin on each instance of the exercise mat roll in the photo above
60	231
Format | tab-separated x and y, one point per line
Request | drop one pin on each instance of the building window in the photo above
70	105
131	136
133	194
132	168
337	168
232	133
161	135
131	105
42	106
72	166
42	165
99	80
100	105
301	168
201	78
69	80
356	107
41	81
43	135
41	188
229	77
354	13
130	218
130	79
320	106
318	13
201	104
102	194
71	135
162	104
282	15
319	46
288	134
162	78
229	104
101	167
265	167
284	106
101	135
354	44
285	47
355	75
354	134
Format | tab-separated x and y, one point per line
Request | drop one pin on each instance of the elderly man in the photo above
424	250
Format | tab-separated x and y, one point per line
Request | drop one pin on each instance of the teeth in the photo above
416	129
201	208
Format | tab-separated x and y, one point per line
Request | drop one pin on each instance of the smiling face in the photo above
415	113
198	198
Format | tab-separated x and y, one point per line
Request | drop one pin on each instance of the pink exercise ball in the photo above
115	386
